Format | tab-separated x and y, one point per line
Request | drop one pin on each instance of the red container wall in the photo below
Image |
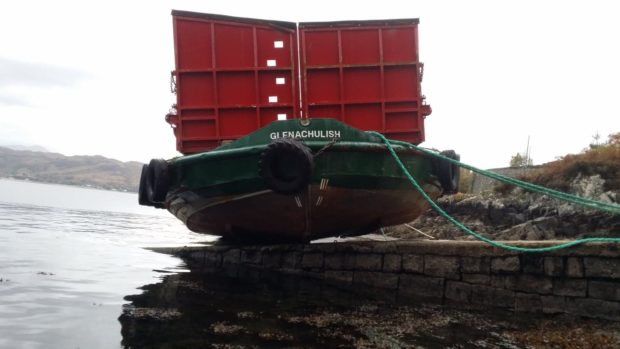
366	74
233	76
236	75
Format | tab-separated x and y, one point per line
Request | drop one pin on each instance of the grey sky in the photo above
14	72
83	77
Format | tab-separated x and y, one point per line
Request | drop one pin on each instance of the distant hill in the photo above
92	171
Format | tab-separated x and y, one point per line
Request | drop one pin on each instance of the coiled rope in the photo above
612	208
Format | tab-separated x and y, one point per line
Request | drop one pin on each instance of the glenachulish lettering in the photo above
304	134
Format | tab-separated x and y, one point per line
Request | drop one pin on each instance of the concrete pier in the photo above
581	281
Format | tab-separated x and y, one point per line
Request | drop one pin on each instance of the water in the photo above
69	255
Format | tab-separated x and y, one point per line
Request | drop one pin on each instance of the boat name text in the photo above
330	134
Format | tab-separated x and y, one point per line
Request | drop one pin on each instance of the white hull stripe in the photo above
298	201
324	183
319	200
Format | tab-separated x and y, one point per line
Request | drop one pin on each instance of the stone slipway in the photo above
581	281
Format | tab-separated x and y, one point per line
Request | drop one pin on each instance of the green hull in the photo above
355	186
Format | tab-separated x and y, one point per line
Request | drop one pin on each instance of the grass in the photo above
603	160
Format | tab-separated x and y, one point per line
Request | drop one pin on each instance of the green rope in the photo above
459	224
578	200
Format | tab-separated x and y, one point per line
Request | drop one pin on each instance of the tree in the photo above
596	138
466	179
520	161
614	139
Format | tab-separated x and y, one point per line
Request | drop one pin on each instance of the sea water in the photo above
68	257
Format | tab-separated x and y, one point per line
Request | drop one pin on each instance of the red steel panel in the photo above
365	73
233	76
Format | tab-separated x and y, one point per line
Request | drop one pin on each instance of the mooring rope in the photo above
613	208
578	200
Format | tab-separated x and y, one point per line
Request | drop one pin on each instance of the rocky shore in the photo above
518	215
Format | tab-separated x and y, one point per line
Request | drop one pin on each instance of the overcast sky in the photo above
85	77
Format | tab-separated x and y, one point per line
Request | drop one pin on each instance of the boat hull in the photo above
320	211
352	184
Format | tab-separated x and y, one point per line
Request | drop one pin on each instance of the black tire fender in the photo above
286	166
448	173
142	190
157	182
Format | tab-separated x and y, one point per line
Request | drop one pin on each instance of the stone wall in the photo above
583	280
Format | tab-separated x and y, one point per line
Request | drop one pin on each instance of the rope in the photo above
325	147
462	227
578	200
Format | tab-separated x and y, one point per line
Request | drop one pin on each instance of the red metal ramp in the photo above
365	74
235	75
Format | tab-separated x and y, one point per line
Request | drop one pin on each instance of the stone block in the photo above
334	261
553	304
251	257
509	264
534	284
368	261
554	266
479	279
349	261
504	281
413	263
291	260
424	287
339	276
570	287
607	290
376	279
213	259
574	267
232	256
309	286
312	260
532	264
272	260
197	257
458	291
492	296
475	265
392	262
528	303
229	270
595	308
442	266
602	267
251	275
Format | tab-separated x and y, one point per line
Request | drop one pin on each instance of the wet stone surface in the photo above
250	309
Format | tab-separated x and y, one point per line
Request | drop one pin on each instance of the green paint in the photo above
356	160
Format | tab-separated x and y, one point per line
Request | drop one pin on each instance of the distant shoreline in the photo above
27	180
85	171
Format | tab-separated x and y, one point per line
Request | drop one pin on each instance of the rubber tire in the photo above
448	173
283	179
142	191
157	182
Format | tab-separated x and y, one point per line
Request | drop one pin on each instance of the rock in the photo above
520	215
589	187
608	197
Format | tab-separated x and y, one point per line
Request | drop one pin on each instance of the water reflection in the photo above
248	309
